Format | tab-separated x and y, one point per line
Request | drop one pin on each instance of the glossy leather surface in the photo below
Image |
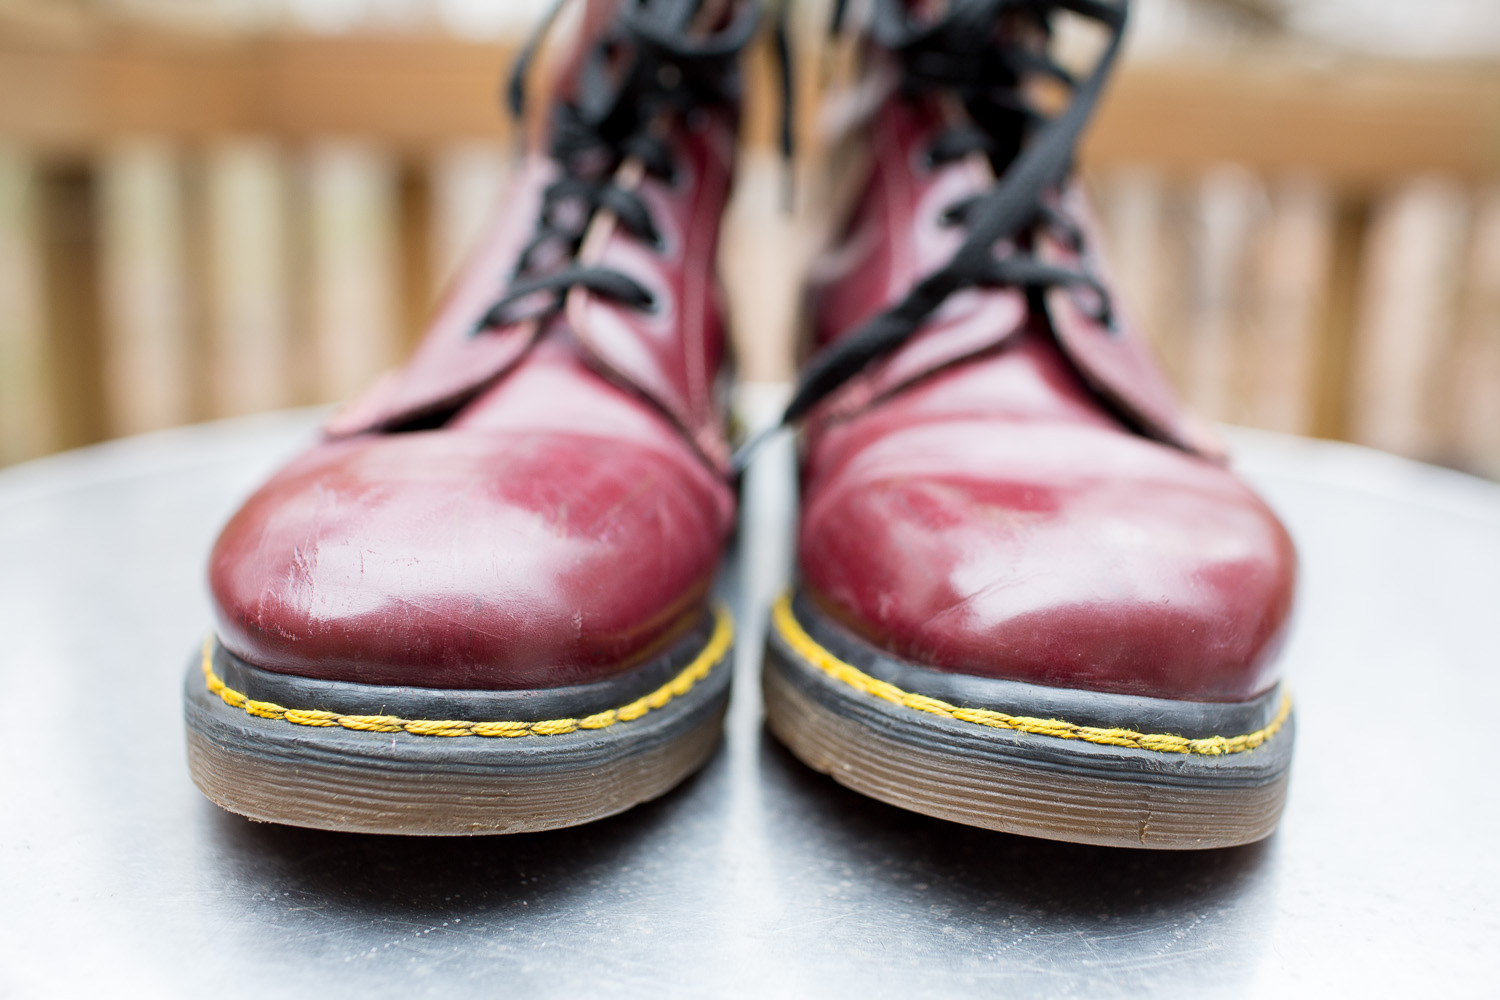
1004	513
556	532
562	519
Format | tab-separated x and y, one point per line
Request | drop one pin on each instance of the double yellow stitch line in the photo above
808	648
703	663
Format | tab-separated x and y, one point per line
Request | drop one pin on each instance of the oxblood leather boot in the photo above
1032	598
481	603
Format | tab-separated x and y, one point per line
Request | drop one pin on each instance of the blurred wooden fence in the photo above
201	228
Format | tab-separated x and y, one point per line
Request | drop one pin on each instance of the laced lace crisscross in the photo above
968	52
651	67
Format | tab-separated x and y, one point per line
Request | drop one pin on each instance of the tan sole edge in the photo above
1045	803
383	799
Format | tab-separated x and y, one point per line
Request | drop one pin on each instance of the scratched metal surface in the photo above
757	876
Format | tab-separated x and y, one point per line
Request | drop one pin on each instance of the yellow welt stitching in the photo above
265	709
808	648
371	723
311	718
599	721
633	711
501	729
430	727
709	657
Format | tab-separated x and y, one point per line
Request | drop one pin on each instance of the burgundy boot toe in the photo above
1057	554
469	560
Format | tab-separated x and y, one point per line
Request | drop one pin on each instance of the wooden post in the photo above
250	363
147	360
1335	338
352	213
26	427
1413	260
71	284
1291	278
467	180
1473	370
1230	204
1133	209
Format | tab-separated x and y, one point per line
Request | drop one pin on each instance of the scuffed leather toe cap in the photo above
1059	554
469	560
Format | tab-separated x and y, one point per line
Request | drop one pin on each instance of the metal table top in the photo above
758	875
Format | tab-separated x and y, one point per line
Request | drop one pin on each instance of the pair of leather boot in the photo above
1030	595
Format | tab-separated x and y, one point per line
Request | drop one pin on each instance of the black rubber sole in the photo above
1043	762
353	757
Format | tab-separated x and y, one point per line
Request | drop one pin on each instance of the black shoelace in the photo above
962	53
649	69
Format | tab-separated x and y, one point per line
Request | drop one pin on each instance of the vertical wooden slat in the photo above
1474	367
1335	333
352	265
1291	276
1414	257
1133	211
1230	203
147	351
71	303
249	307
466	184
26	429
414	208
